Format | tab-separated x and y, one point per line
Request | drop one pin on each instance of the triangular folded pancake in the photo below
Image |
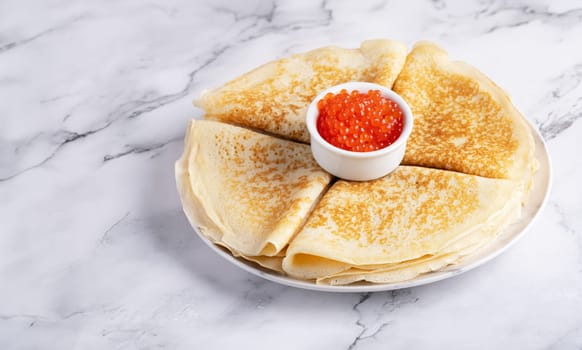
451	254
247	191
413	213
462	120
275	96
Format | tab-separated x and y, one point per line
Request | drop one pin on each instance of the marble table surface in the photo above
95	252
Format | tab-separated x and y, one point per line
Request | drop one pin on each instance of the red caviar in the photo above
359	122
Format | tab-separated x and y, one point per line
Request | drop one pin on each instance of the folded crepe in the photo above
246	191
462	120
275	96
412	221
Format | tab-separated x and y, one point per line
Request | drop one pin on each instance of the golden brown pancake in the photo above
412	213
246	191
462	120
275	96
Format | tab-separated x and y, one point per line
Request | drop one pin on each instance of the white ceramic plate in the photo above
537	199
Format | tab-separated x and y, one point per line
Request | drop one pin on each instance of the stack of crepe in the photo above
248	181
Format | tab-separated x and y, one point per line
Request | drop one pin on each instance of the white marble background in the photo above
95	252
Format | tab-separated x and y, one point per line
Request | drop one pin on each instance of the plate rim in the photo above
483	256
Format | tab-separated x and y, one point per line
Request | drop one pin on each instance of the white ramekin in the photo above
358	166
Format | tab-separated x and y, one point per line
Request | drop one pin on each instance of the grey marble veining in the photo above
95	252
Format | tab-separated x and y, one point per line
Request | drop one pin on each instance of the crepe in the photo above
462	120
407	270
413	213
274	97
247	191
